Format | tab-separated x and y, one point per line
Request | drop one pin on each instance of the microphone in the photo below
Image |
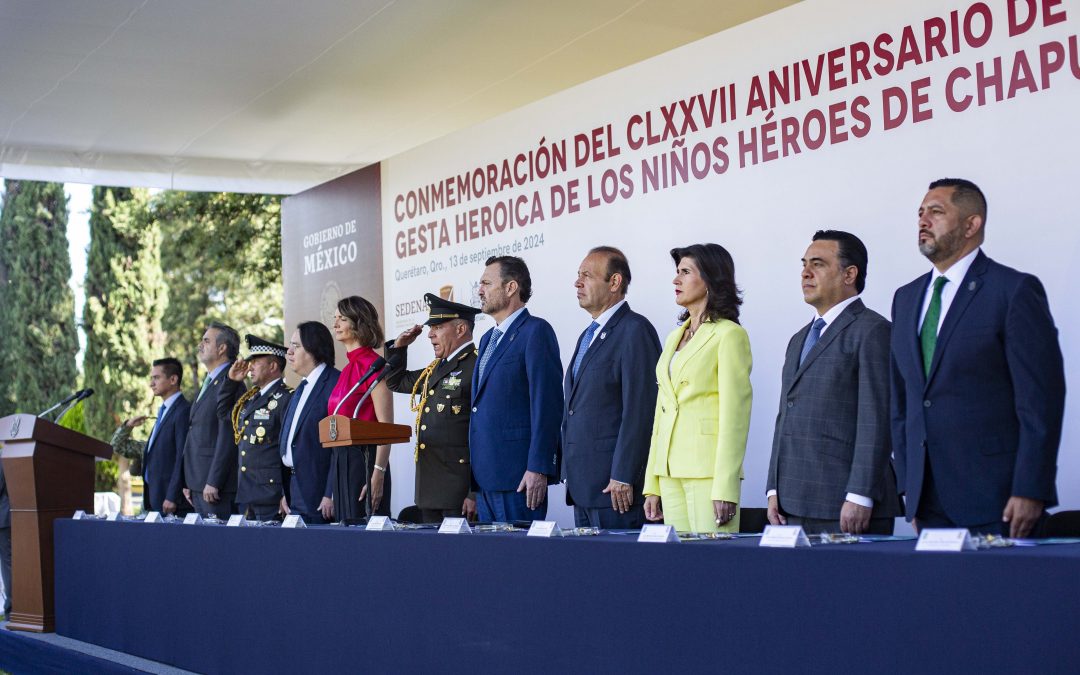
371	388
375	367
74	397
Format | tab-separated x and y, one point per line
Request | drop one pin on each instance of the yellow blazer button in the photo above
422	446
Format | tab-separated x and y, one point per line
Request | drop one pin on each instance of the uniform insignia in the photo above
456	409
262	414
260	432
278	395
272	404
440	407
452	382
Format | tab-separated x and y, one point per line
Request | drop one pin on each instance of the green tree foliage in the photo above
221	255
125	300
37	307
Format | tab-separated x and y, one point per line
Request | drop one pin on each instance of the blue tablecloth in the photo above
269	600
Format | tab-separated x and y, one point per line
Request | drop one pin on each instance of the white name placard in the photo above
544	528
784	536
193	519
379	524
79	515
455	526
113	517
942	539
294	521
236	520
658	534
152	517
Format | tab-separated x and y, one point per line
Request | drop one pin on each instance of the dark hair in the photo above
717	270
966	195
227	336
280	361
850	250
364	318
616	264
170	367
470	323
513	268
317	341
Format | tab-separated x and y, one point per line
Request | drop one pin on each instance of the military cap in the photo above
441	311
260	347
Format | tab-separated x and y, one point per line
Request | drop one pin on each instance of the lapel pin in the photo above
603	335
971	285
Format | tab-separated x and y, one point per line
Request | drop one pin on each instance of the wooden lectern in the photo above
49	471
340	431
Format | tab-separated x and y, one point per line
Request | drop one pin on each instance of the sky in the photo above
78	243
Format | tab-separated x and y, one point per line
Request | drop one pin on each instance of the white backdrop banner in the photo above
828	114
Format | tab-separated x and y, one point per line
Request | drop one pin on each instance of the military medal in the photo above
440	407
271	405
456	409
260	432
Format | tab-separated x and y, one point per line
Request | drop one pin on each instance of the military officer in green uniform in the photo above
440	395
257	419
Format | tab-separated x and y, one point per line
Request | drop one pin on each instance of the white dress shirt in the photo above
311	379
955	275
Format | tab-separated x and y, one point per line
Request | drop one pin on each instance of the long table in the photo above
329	599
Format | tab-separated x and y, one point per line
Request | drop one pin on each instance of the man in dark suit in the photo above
830	469
309	490
440	395
978	384
5	541
516	400
257	419
610	394
210	449
162	454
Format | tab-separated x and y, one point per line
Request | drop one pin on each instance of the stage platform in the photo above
51	654
329	599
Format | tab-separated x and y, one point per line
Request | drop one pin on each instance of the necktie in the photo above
205	384
928	335
811	338
290	413
489	350
150	444
583	346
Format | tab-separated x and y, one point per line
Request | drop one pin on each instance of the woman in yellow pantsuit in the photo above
693	476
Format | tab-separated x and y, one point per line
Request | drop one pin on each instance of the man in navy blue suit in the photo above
610	394
516	400
163	453
978	385
309	490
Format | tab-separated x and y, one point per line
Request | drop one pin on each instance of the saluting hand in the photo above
135	421
408	336
238	370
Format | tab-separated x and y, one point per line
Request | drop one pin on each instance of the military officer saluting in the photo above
440	396
257	419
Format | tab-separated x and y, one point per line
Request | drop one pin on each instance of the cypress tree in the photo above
125	300
37	307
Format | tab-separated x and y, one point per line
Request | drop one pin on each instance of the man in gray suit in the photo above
5	541
830	468
210	458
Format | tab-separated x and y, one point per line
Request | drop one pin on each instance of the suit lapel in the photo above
664	367
971	285
317	387
607	331
502	347
911	327
831	333
705	333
